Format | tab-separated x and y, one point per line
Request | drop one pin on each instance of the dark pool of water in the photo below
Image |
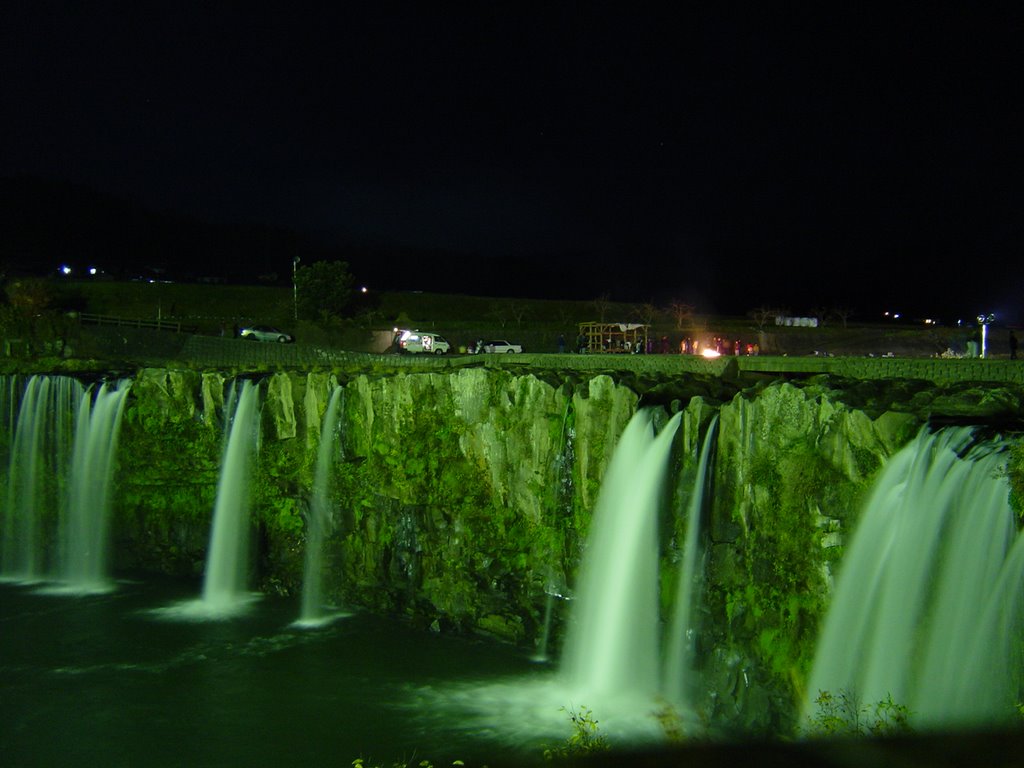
105	680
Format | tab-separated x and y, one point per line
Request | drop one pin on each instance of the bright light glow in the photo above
711	353
364	289
65	269
93	270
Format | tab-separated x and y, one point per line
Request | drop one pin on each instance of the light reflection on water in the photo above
136	676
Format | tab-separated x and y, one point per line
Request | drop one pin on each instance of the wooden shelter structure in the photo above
613	337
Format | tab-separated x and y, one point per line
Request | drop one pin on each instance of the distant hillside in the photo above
44	224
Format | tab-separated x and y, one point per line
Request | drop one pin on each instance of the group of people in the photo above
721	346
687	346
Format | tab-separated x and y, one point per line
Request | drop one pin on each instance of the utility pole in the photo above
295	287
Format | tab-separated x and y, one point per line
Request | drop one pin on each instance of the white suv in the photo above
422	341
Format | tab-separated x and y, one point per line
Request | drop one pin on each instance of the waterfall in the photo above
37	471
927	605
320	518
227	562
612	641
86	519
611	663
680	651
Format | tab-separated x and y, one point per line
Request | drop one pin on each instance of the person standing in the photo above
1013	345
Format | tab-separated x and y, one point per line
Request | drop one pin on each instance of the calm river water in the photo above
121	679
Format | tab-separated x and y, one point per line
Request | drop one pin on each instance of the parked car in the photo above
265	333
500	346
414	342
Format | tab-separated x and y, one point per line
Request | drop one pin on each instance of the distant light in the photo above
65	269
929	321
93	271
708	352
364	289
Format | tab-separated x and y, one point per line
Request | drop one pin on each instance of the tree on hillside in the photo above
843	314
509	310
646	313
762	315
602	304
30	296
682	312
324	290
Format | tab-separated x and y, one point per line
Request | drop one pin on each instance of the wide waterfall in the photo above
227	565
37	471
62	457
86	523
927	606
320	517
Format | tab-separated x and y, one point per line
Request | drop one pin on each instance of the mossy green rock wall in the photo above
462	498
793	465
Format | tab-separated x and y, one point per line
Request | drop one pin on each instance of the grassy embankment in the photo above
535	323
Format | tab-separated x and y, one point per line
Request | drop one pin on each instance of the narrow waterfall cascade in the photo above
611	644
545	631
927	605
224	580
320	518
86	520
680	675
612	663
40	454
561	477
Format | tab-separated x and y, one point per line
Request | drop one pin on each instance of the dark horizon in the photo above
793	158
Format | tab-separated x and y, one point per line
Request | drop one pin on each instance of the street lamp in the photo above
985	321
295	287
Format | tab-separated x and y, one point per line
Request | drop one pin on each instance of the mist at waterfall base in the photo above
224	594
615	663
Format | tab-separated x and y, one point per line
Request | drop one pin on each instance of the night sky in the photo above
736	157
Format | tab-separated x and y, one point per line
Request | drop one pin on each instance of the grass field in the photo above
535	323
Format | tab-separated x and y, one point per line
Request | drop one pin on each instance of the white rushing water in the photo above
320	517
39	458
86	524
927	605
611	645
680	675
227	563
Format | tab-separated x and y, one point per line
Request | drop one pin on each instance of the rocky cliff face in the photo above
462	499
